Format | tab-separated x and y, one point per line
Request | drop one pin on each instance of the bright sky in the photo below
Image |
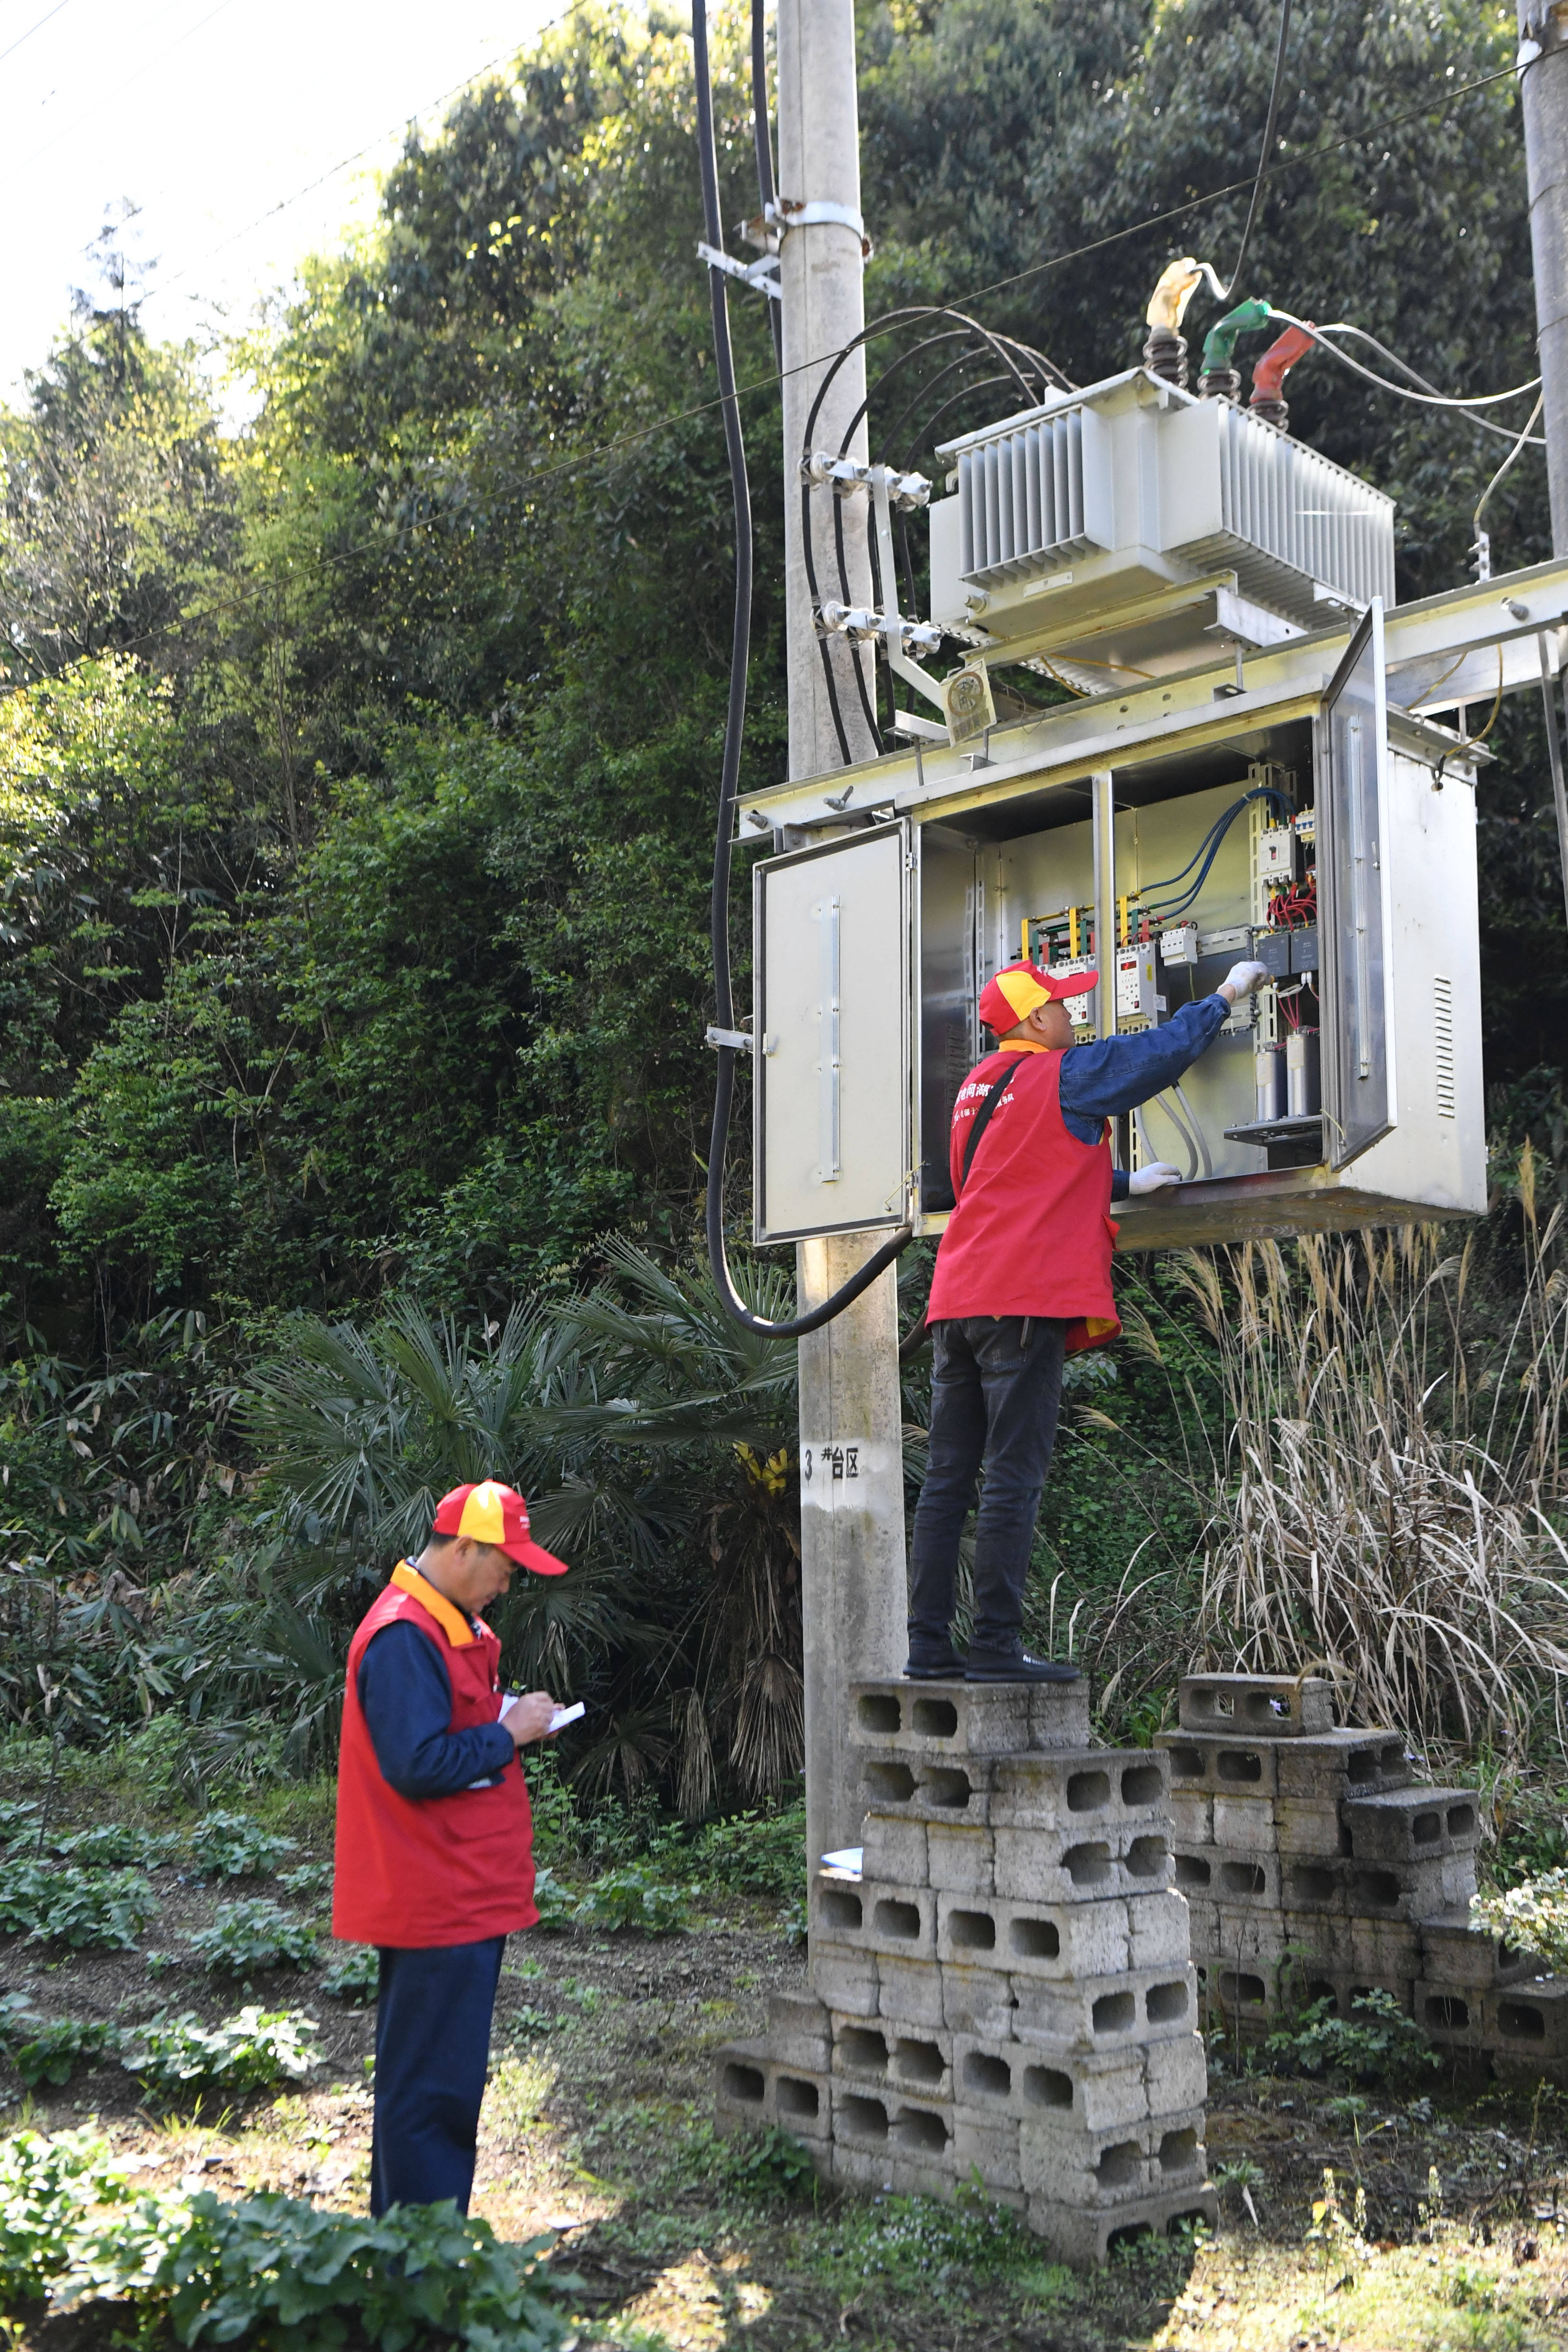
204	114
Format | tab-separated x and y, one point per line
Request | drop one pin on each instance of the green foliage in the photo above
268	2268
637	1894
771	2164
253	1935
232	1845
48	2188
109	1842
272	2266
756	1854
103	1910
556	1903
1378	2041
50	2054
308	1882
1532	1916
915	2245
354	1976
248	2051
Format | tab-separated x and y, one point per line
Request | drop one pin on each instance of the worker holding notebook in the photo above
1023	1281
434	1840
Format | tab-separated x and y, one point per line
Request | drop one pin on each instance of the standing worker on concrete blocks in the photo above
435	1841
1022	1282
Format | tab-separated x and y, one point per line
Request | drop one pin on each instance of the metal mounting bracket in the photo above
762	276
740	1041
787	213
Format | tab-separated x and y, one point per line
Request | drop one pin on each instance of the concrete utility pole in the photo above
854	1591
1544	97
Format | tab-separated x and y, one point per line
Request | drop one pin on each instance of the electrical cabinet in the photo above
1334	841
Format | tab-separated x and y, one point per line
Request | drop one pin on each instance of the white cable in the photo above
1197	1130
1429	399
1189	1142
1512	457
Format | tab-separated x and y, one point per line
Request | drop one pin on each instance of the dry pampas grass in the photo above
1391	1485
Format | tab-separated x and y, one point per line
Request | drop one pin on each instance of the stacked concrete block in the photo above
1002	1984
1312	1867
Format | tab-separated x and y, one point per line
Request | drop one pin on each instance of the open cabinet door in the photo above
832	1024
1352	811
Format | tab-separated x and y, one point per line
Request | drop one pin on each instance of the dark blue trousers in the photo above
432	2050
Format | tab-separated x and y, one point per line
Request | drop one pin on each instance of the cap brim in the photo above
1077	983
535	1557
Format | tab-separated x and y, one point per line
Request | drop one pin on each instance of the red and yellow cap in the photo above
1018	988
493	1514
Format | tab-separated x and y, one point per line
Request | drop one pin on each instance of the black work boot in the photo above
933	1661
1013	1665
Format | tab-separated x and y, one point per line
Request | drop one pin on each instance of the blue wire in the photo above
1211	844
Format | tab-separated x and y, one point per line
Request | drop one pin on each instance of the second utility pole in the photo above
1543	101
852	1536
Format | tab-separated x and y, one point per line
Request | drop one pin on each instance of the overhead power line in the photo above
47	18
1440	101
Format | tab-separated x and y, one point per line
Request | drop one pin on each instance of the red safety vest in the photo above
1032	1232
416	1871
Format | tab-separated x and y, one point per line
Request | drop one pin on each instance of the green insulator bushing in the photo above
1219	343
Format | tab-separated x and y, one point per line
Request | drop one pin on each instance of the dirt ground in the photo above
596	2131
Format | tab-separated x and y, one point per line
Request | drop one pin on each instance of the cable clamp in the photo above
739	1041
821	469
786	213
762	276
859	624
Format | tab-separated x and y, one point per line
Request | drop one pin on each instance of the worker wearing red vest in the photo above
1022	1281
434	1840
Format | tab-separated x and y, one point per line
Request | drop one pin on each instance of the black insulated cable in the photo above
1267	150
763	140
734	730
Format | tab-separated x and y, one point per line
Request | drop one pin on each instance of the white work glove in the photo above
1158	1173
1241	979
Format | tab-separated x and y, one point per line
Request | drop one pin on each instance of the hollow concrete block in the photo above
1412	1825
910	1988
961	1860
843	1978
976	2000
1105	2013
1082	2237
987	2144
800	2029
1335	1764
957	1792
907	2055
1457	1950
893	1846
1273	1706
1068	1788
939	1719
1158	1930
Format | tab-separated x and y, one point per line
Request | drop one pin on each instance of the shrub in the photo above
636	1896
556	1904
245	1936
115	1841
18	1819
269	2269
354	1976
756	1854
1533	1914
51	2051
232	1845
772	2162
310	1880
47	2187
103	1910
248	2051
1377	2041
